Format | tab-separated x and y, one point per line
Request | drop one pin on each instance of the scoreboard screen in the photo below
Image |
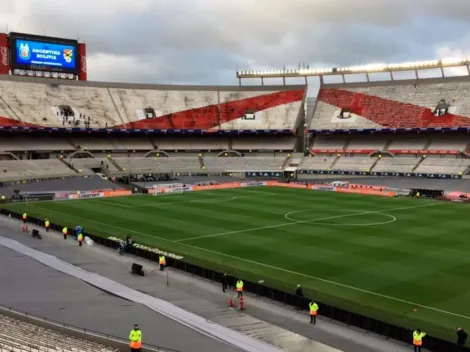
43	53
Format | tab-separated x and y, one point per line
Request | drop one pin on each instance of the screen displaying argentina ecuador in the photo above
30	52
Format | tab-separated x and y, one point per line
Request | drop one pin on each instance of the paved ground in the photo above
278	325
39	290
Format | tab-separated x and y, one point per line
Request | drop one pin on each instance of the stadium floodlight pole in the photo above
362	69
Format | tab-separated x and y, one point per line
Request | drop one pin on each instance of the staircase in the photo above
387	145
116	107
334	162
116	164
285	163
428	143
419	163
346	144
375	163
70	166
12	112
201	162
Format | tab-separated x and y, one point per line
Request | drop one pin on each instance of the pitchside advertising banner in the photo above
43	54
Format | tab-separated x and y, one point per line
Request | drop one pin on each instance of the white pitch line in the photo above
201	200
277	268
303	222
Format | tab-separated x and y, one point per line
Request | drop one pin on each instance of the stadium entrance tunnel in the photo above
338	217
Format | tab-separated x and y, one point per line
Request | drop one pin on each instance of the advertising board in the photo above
86	195
37	53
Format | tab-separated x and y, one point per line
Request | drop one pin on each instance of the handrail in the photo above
82	330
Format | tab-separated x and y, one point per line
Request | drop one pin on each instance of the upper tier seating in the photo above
394	104
53	103
19	336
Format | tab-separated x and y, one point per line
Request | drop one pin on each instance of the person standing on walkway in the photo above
239	288
135	339
418	339
313	308
65	232
80	239
47	225
224	282
25	217
162	262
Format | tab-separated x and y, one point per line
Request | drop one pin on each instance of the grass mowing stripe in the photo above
278	268
306	222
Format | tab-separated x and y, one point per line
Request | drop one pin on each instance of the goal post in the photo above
167	188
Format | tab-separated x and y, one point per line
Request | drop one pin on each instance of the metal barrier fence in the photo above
349	318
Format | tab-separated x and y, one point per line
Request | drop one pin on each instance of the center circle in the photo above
324	220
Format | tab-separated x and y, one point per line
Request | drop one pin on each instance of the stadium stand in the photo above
264	143
31	169
164	164
435	102
443	165
397	164
19	336
252	163
357	163
318	162
55	103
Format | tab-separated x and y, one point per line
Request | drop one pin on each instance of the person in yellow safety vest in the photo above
240	288
47	225
418	339
162	262
80	239
313	307
65	232
25	217
135	339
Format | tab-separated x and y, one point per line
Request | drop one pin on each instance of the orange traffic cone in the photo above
242	303
230	302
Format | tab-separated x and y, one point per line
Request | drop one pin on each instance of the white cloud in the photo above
204	41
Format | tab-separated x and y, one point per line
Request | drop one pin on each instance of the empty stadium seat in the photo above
53	103
19	336
393	104
249	163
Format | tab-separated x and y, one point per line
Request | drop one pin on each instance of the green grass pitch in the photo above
401	260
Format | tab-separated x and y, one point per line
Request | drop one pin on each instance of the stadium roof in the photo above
361	69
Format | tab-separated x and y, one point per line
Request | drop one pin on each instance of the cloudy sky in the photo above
206	41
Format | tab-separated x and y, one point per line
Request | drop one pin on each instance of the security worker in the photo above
240	288
25	217
47	225
65	232
80	239
135	339
418	339
313	307
162	262
224	282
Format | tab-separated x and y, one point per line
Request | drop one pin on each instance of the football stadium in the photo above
225	217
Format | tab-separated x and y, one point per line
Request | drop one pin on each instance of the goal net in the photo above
167	188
